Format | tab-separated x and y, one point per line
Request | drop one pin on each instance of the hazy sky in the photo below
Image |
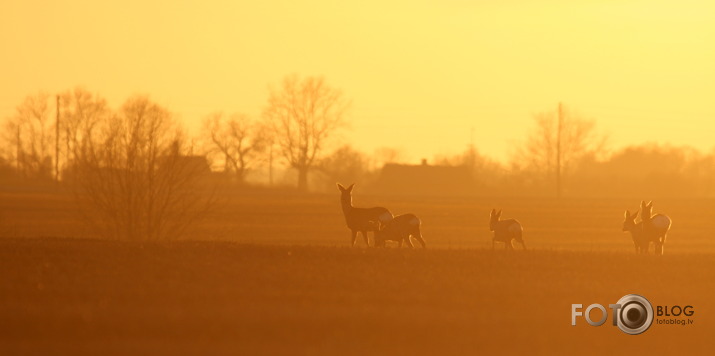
420	74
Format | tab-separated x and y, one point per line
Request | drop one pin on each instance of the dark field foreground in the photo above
64	296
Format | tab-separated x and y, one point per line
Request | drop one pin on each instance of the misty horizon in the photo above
476	74
318	177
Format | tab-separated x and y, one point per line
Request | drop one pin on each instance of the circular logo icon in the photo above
635	315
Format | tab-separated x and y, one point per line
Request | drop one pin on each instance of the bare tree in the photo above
302	114
30	136
81	115
558	140
131	172
239	141
345	164
385	155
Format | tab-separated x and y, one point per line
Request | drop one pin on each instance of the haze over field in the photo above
168	176
430	70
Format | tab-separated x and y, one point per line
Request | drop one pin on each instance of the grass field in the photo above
272	273
69	296
287	218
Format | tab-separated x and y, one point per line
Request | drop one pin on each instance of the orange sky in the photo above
421	74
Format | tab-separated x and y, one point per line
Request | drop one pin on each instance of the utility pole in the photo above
558	152
472	151
270	166
57	142
18	150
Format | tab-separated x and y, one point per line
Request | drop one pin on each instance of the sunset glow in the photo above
440	73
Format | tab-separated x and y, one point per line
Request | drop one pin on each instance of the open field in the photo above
277	217
270	272
72	296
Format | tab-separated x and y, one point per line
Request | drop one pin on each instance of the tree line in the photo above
137	174
563	154
297	121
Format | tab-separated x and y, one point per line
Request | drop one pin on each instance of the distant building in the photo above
425	179
195	164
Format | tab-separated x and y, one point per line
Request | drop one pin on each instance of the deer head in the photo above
629	223
494	217
346	194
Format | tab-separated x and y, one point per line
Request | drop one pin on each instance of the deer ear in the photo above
650	204
635	215
493	212
499	213
627	214
340	187
643	204
350	188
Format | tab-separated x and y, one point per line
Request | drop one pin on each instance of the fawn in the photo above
505	230
636	229
400	229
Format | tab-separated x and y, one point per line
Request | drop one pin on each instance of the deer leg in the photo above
659	245
364	235
354	236
409	241
421	240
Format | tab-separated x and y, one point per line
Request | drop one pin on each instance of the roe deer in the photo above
505	230
361	219
636	230
655	227
400	229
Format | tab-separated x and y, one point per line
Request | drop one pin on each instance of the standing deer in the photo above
400	229
505	230
361	219
636	229
655	227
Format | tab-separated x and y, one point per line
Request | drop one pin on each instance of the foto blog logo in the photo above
633	314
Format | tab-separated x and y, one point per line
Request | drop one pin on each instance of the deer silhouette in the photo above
505	230
655	227
361	219
400	229
636	229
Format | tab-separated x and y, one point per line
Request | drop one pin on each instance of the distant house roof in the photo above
424	179
194	164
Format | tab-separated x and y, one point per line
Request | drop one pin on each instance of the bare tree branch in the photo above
552	150
302	114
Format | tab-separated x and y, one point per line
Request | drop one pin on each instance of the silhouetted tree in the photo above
385	155
131	173
82	113
345	164
485	171
29	135
558	140
646	170
302	114
239	141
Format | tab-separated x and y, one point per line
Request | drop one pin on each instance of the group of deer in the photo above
400	228
651	228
